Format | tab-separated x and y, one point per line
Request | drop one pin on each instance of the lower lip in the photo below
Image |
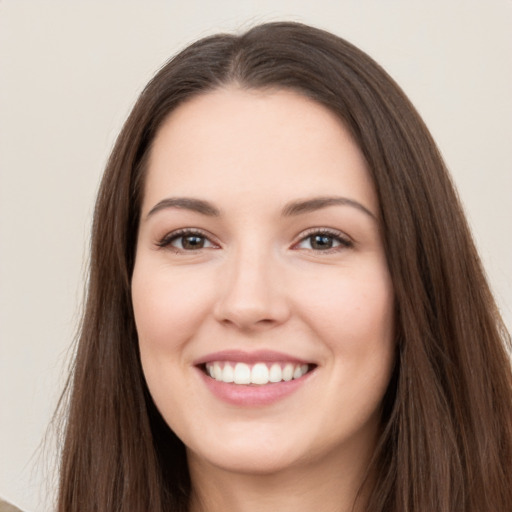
253	395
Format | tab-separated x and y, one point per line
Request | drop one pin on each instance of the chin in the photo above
254	454
248	462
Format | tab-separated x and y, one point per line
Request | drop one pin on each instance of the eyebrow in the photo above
317	203
186	203
291	209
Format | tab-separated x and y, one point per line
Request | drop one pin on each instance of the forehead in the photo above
256	144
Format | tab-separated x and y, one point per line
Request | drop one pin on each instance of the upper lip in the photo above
257	356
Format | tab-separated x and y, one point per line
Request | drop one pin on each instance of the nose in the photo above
252	293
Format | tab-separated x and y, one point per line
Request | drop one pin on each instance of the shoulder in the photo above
7	507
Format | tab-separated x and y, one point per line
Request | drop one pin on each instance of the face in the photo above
261	293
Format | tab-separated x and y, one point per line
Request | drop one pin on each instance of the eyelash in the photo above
343	241
167	240
336	236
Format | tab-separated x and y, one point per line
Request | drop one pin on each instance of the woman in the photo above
285	306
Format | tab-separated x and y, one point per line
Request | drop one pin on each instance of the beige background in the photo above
69	72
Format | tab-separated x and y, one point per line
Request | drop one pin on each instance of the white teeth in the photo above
275	374
217	371
259	373
242	374
288	372
228	374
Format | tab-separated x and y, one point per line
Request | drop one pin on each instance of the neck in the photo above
331	487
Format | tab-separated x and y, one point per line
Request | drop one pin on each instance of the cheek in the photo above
357	326
354	312
167	308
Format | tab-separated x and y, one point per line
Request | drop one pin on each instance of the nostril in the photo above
265	321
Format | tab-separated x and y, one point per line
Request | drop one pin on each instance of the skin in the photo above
259	282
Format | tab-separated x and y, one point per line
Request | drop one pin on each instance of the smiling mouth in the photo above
258	374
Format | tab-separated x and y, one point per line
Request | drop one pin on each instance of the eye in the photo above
323	240
186	240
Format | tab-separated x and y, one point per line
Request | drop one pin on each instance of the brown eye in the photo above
185	240
190	242
323	241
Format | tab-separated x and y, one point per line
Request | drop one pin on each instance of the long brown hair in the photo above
446	442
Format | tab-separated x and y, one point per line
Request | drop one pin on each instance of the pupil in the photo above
193	242
321	242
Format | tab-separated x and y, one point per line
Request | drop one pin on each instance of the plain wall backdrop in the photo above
69	73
